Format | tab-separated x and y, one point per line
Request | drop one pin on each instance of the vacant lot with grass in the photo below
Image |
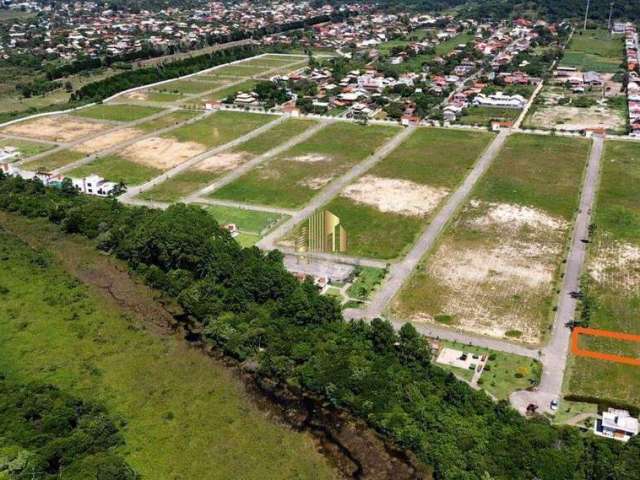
56	128
484	115
183	415
26	148
248	221
116	169
298	174
117	113
594	50
168	120
187	87
204	173
495	270
386	209
612	282
54	160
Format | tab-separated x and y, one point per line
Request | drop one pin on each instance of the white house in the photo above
616	424
94	185
500	100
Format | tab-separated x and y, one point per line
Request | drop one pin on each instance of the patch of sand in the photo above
316	183
617	265
222	162
107	140
138	95
56	128
574	118
514	217
162	153
310	158
395	196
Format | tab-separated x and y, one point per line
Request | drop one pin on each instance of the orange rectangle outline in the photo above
609	357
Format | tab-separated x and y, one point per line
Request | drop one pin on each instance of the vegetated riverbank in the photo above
354	448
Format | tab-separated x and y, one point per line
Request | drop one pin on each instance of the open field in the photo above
495	269
117	113
117	169
167	120
484	115
248	221
54	160
386	209
612	282
108	140
294	177
55	128
202	174
186	86
27	149
594	50
175	403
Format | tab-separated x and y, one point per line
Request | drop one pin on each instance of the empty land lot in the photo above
26	148
384	210
612	284
149	157
251	224
56	128
186	86
295	176
54	160
594	50
495	269
169	120
117	113
202	174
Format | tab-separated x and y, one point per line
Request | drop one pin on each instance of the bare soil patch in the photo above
574	118
56	128
616	265
108	140
162	153
138	95
222	162
316	183
395	196
311	158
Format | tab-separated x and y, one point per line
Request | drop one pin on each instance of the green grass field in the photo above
611	284
26	148
187	87
495	269
183	415
220	128
241	70
168	120
295	176
435	158
248	221
484	115
54	160
594	50
117	113
366	281
116	169
154	96
194	179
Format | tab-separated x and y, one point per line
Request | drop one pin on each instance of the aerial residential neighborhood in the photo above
320	240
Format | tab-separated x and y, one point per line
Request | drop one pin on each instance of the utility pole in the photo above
586	15
610	15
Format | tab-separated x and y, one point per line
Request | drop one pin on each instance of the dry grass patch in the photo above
161	153
222	162
108	140
56	128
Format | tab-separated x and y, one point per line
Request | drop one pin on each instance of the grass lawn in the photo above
26	148
612	280
505	374
295	176
594	50
495	269
194	179
117	113
167	120
223	93
54	160
484	115
116	169
241	70
154	96
366	281
435	158
184	415
186	87
180	186
220	128
248	221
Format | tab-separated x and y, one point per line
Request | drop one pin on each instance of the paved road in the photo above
238	172
133	191
401	271
331	190
554	354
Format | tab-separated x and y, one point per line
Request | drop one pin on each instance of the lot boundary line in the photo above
609	357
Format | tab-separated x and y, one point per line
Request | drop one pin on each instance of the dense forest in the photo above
44	432
253	310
